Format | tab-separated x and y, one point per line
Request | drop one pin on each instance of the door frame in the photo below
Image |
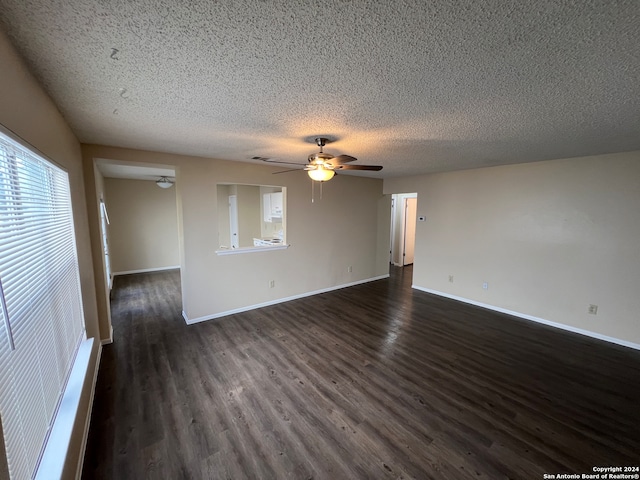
407	201
397	233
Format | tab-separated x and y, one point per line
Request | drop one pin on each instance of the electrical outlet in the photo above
272	283
451	278
349	269
485	285
593	309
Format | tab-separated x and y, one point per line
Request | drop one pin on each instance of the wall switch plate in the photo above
451	278
349	269
485	285
272	283
593	309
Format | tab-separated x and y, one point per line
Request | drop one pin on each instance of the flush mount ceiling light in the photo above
164	182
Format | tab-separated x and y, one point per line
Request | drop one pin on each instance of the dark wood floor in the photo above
373	381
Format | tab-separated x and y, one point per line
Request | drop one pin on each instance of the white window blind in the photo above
41	321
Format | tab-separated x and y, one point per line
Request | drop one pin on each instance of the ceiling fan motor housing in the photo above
319	158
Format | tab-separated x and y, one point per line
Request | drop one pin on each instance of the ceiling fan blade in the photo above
340	159
358	167
287	171
267	160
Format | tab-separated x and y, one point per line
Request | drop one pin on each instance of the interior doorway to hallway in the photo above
140	233
403	228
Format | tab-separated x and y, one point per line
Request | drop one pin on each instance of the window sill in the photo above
59	441
236	251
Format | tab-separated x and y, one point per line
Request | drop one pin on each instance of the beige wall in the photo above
326	237
143	229
249	215
224	229
550	238
383	244
27	111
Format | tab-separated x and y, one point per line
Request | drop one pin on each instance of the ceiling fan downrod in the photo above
321	142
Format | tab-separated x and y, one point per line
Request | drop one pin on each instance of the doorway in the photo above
403	228
141	231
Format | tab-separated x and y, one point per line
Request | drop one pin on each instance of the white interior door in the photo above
410	209
233	221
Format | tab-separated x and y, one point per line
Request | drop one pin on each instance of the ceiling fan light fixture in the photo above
321	165
321	174
164	182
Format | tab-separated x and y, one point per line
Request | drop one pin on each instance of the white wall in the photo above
326	237
143	229
550	238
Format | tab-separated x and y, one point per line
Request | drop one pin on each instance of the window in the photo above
41	322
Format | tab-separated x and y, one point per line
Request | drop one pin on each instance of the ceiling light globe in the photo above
321	174
164	182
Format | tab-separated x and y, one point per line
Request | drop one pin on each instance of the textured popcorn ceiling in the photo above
412	85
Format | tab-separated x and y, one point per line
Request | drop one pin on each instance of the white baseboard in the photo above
279	300
85	433
531	318
147	270
107	341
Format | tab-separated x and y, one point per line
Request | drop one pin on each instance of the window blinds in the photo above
41	321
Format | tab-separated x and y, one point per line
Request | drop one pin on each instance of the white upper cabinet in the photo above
272	206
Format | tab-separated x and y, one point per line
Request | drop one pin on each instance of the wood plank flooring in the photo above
372	381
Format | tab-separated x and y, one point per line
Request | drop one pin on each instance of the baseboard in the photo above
85	434
279	300
531	318
107	341
147	270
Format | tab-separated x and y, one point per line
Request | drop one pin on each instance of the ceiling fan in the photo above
322	166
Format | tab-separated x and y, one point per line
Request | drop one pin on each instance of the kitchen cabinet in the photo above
272	205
